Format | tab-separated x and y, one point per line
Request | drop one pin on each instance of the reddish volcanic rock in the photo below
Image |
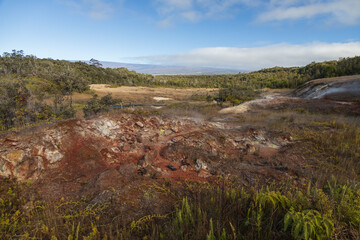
123	152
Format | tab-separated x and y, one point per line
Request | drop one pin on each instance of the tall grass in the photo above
221	210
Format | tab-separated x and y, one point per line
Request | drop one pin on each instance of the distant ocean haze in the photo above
168	70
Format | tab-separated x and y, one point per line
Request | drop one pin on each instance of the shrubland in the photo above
34	89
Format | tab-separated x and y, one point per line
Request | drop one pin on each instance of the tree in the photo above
95	63
95	105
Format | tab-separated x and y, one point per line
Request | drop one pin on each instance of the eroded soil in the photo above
119	154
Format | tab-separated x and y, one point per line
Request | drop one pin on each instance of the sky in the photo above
236	34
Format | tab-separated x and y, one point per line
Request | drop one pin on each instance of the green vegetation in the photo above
76	76
56	80
234	95
68	76
21	103
95	105
333	147
237	95
221	210
277	77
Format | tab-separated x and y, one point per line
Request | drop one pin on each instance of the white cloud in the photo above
195	10
192	16
341	11
96	9
285	55
335	11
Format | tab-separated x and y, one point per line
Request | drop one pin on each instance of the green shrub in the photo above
95	105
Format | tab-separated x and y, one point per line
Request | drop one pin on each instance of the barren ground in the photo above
142	94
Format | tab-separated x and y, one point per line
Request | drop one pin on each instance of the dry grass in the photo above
142	94
329	143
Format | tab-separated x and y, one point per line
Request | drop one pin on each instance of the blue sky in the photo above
239	34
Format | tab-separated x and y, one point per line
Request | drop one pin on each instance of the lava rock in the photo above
171	167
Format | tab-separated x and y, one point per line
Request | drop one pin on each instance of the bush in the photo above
95	105
237	95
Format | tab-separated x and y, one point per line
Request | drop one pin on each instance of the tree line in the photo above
276	77
68	76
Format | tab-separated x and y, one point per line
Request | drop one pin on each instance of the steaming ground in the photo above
340	89
322	95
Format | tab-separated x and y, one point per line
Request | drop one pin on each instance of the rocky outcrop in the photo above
87	156
339	88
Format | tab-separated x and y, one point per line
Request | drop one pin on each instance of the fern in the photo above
308	224
210	235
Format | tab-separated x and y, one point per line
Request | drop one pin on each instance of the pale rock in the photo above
140	124
53	156
4	169
15	157
106	128
200	165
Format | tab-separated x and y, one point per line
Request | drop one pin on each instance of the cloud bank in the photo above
333	11
285	55
171	12
341	11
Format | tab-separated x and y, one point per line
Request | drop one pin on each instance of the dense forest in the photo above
26	81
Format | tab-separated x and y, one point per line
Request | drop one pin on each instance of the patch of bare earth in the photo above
142	94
